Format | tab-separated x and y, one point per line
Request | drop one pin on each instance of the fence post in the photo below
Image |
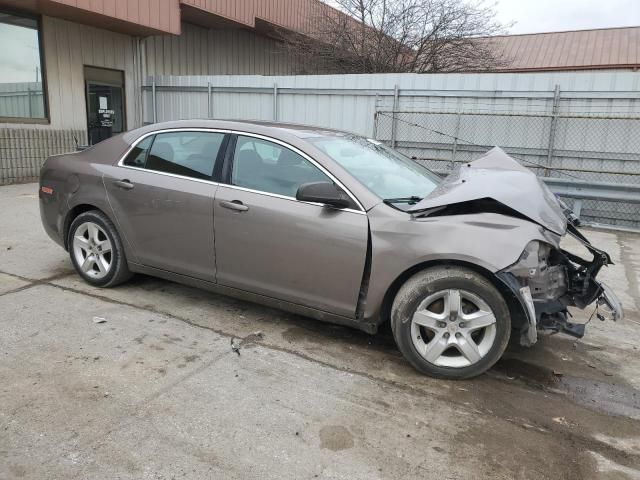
209	101
577	207
455	140
275	102
552	129
30	103
153	100
396	92
375	118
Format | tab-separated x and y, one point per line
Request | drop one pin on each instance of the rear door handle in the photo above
236	205
124	184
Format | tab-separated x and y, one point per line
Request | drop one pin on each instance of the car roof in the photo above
269	128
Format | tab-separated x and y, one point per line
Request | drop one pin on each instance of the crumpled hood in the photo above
498	176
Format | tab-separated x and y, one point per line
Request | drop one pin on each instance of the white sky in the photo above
531	16
555	15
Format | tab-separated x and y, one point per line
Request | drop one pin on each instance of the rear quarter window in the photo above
138	155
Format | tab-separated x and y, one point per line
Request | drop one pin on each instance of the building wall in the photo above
67	48
202	51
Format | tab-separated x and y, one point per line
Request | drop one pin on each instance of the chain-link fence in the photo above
579	148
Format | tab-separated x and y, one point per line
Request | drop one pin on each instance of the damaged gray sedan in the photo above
332	226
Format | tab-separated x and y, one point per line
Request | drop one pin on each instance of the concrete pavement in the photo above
157	392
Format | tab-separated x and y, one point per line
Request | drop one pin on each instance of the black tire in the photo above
429	282
119	270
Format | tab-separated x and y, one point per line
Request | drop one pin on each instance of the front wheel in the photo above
450	322
96	250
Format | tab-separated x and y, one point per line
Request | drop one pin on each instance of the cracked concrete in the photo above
157	392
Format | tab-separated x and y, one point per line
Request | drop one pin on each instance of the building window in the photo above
21	78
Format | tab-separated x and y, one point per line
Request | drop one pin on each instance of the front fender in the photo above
400	242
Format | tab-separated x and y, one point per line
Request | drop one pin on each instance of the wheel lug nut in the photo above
461	325
458	335
442	324
446	335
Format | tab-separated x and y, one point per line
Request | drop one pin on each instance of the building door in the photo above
105	103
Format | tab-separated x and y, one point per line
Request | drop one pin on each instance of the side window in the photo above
138	155
268	167
190	154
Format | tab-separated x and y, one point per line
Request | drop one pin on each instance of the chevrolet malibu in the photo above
332	226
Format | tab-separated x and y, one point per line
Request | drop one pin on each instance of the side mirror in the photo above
326	193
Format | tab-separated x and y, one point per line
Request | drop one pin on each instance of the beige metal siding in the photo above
68	47
201	51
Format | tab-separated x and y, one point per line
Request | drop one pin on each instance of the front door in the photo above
269	243
162	197
105	103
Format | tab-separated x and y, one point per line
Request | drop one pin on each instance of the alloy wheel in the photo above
92	250
453	328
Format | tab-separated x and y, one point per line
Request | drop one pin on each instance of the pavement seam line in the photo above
31	282
36	281
19	289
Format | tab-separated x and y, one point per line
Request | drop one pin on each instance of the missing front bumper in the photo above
607	307
546	281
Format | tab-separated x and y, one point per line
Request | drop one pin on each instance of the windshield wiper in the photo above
410	200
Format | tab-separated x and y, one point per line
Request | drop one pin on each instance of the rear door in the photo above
269	243
162	196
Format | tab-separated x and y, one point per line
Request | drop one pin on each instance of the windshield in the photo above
390	175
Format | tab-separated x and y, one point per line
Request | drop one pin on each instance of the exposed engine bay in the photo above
555	279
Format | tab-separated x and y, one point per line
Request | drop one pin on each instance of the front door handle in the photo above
236	205
124	184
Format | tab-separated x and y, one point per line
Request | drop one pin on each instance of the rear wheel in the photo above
96	250
450	322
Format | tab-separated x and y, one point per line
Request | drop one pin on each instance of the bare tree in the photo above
376	36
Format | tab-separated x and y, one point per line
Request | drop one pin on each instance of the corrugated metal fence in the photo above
580	131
